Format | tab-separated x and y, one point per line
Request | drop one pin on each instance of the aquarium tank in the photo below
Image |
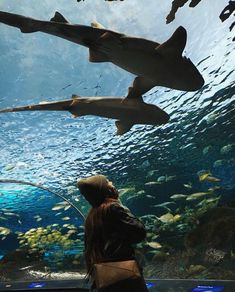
178	176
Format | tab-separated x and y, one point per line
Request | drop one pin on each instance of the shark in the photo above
152	63
127	112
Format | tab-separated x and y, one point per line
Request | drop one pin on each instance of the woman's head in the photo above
96	189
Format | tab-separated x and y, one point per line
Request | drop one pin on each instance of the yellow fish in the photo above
208	177
154	244
169	218
4	231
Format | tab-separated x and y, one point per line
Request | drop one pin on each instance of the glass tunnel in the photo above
177	175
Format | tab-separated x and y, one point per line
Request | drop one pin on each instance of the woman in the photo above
110	229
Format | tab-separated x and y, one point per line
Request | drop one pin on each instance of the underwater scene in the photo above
167	141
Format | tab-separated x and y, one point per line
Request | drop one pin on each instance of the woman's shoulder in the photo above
118	207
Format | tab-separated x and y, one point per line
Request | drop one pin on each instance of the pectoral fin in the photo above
122	127
58	17
140	86
175	44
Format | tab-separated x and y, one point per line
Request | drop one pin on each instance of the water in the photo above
154	163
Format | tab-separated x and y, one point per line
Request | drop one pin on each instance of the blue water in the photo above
55	149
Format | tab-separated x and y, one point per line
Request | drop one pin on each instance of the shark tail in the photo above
25	24
58	26
44	106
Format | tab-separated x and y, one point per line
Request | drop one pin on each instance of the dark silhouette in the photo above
227	12
176	4
110	228
154	64
128	112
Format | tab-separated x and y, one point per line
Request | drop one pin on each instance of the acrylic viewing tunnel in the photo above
177	176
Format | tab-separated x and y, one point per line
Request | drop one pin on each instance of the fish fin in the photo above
96	24
122	127
97	57
140	86
175	44
58	17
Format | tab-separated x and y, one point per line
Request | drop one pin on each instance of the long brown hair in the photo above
94	232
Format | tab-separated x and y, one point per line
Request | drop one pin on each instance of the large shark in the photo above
127	111
154	64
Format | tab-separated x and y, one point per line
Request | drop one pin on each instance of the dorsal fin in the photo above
122	127
58	17
175	44
96	24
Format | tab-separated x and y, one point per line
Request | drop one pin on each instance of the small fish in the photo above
67	207
151	183
226	149
212	179
4	231
169	218
10	214
3	218
164	205
215	188
63	203
170	177
25	268
208	201
155	245
178	196
20	222
208	177
142	192
150	197
56	208
126	190
161	179
36	216
188	185
39	219
65	218
6	210
196	196
206	149
71	231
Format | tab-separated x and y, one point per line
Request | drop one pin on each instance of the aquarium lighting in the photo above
208	289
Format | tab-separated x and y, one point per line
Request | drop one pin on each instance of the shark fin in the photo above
122	127
96	24
58	17
139	87
175	44
97	57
